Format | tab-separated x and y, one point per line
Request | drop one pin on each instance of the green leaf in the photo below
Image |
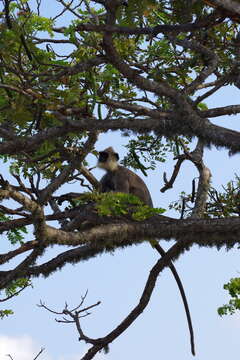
5	313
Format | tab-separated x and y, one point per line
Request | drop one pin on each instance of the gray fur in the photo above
123	180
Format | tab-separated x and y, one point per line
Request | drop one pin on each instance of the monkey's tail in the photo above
184	298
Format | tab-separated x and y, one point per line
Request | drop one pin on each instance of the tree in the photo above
144	68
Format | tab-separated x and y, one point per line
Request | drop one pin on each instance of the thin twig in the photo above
40	352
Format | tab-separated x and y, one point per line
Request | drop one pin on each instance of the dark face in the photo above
108	160
103	156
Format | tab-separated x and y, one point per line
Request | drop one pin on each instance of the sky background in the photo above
118	280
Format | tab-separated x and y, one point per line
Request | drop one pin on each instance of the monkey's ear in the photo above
116	156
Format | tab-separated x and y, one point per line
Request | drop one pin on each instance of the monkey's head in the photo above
108	159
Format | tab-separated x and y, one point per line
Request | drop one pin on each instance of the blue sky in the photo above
118	279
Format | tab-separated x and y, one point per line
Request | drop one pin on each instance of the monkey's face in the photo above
108	160
103	156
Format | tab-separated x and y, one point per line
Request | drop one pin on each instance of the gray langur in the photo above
120	179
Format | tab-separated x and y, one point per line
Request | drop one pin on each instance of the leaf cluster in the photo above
233	288
119	204
220	204
14	287
5	313
15	235
145	151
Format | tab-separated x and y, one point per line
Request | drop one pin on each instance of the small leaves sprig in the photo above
118	204
233	288
5	313
15	235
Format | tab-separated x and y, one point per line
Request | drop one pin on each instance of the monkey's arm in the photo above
106	184
121	181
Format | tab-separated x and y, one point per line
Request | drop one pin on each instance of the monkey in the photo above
120	179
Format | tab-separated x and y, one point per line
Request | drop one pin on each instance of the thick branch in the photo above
56	183
134	108
196	157
208	21
202	193
196	126
230	5
207	232
203	183
4	258
225	110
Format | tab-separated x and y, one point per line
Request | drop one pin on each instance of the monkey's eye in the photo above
103	156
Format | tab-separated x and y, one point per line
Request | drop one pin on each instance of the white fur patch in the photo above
110	165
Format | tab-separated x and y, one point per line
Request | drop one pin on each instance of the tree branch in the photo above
230	5
203	183
182	292
207	232
139	308
221	111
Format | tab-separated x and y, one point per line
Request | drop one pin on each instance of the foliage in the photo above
221	204
14	287
5	313
183	205
227	202
143	68
15	235
233	288
28	114
117	204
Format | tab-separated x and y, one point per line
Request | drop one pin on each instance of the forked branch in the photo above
103	342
